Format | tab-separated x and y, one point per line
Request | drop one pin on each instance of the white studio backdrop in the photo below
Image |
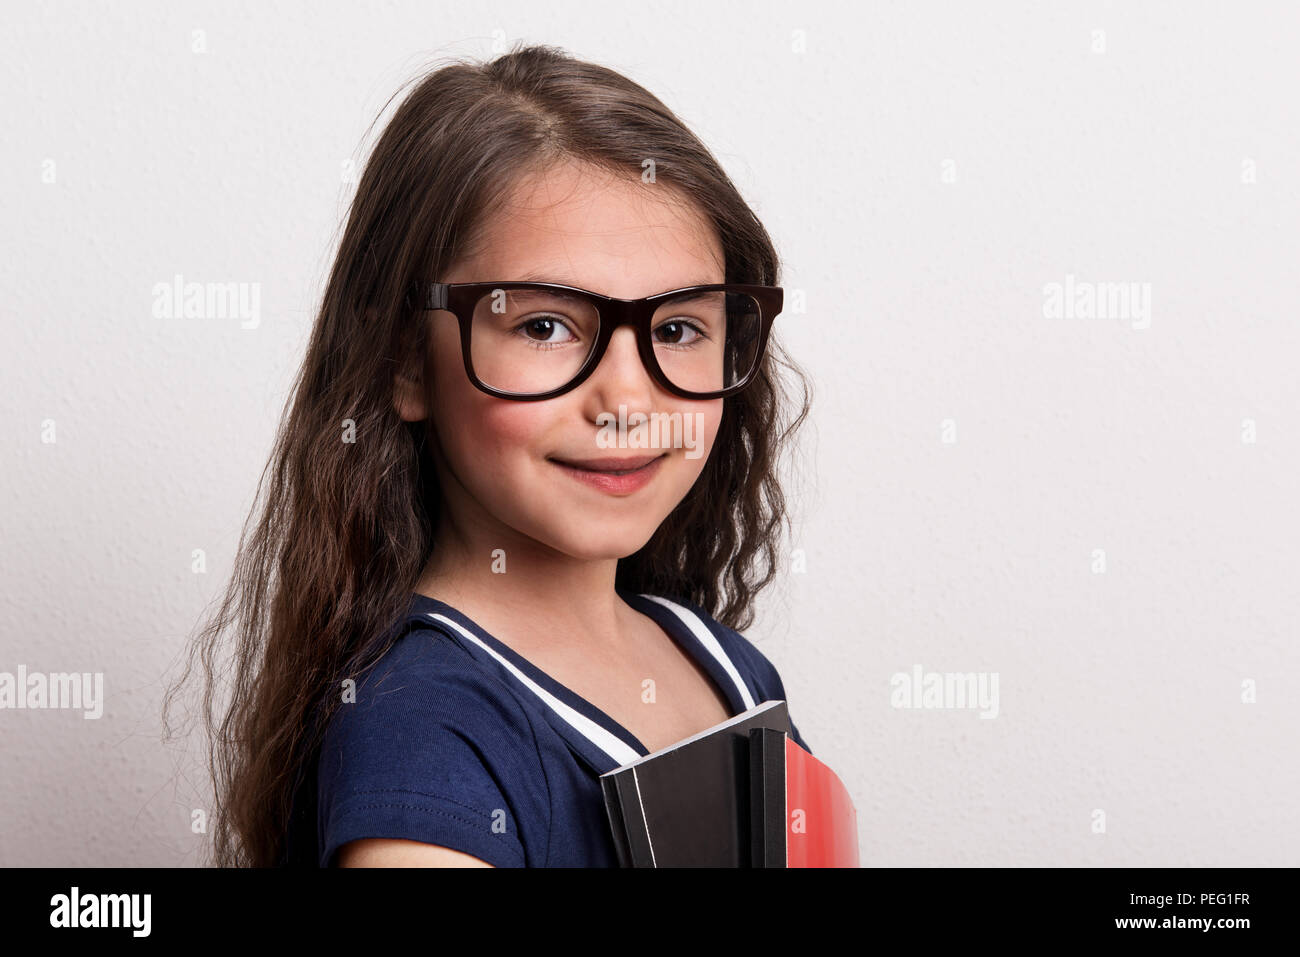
1041	266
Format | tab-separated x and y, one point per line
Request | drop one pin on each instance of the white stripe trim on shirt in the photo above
609	743
701	631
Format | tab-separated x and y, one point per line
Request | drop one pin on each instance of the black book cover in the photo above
767	797
688	805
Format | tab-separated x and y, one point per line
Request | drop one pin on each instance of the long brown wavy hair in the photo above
341	530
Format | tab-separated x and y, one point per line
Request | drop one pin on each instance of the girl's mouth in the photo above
617	476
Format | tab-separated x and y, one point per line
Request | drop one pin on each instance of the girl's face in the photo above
496	458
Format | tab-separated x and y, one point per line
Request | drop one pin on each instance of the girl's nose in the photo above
621	377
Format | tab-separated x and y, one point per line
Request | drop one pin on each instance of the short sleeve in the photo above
433	750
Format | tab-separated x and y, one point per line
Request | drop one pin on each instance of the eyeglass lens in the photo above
535	341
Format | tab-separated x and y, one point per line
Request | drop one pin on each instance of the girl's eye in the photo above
545	330
678	332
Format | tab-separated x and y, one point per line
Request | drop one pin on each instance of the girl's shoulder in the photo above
426	745
424	673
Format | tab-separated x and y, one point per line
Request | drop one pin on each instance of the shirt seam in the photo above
546	779
497	839
430	794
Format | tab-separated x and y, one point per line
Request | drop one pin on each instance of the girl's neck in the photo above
565	604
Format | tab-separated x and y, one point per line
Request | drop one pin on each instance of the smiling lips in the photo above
618	476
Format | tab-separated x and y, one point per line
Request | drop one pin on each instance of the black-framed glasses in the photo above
538	340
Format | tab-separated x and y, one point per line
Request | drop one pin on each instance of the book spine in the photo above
617	827
767	797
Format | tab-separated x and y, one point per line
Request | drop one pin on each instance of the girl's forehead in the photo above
579	230
583	202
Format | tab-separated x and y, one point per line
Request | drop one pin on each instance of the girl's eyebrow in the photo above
710	297
535	277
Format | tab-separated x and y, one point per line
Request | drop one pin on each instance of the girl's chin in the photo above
605	547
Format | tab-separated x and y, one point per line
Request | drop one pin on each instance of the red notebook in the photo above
801	812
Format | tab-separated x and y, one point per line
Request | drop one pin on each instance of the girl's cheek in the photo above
500	429
706	420
492	433
472	421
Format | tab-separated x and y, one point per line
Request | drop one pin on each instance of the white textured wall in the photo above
1120	691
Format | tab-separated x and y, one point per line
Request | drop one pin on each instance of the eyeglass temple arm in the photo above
431	295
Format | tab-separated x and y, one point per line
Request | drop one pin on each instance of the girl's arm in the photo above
392	852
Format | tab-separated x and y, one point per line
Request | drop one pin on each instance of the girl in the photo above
478	580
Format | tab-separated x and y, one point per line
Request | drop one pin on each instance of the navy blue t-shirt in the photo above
454	739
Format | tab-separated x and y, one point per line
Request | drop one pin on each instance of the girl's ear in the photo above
408	399
408	394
